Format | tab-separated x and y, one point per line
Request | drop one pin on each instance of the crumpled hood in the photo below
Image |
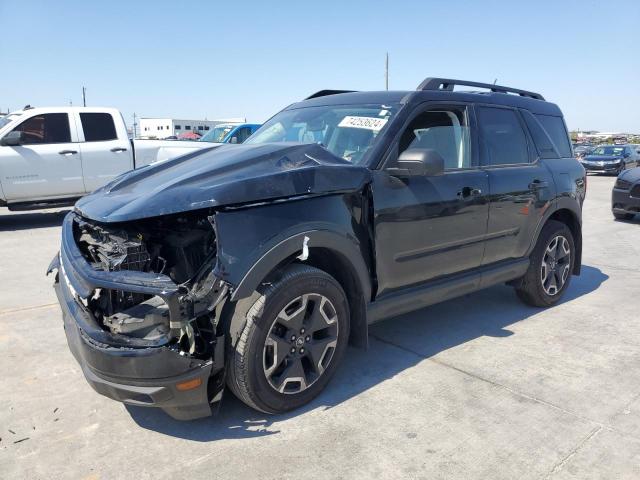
226	175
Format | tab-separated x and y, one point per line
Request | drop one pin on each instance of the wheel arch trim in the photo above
560	205
286	249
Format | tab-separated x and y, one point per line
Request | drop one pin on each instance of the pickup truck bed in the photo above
52	156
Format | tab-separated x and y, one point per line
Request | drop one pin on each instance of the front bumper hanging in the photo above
132	370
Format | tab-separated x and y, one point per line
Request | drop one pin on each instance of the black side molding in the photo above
414	298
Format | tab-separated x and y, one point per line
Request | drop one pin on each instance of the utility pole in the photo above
84	96
134	125
386	72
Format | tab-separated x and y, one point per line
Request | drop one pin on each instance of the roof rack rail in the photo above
324	93
447	84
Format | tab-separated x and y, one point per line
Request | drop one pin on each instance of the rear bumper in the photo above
623	202
131	370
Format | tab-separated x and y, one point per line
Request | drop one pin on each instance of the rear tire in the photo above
295	333
550	268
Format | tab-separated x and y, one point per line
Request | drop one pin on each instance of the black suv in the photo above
255	265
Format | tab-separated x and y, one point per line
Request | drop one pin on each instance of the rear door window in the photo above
98	127
504	139
558	133
45	128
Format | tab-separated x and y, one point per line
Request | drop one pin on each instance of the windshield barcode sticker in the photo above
368	123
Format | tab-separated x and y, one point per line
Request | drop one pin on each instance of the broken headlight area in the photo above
181	247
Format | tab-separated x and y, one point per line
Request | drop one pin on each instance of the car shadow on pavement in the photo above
29	220
395	345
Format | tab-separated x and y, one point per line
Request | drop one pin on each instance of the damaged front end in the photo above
139	302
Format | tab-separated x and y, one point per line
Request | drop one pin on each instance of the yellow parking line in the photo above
46	305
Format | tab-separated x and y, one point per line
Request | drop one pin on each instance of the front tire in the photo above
550	268
295	333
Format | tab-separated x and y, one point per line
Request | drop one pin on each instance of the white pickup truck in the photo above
53	156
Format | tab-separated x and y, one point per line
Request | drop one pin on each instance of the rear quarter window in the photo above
555	128
543	143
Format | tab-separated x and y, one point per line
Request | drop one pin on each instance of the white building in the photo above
167	127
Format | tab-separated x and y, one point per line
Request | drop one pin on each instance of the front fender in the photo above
252	242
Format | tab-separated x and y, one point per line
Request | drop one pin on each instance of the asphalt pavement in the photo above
477	387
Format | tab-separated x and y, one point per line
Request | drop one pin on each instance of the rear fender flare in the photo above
561	203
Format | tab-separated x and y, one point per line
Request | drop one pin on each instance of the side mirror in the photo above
416	162
12	139
626	155
233	140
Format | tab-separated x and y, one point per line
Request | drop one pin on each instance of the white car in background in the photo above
52	156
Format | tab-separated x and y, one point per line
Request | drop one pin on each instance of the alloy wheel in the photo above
300	343
556	264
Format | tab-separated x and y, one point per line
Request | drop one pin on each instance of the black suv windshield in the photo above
348	131
609	151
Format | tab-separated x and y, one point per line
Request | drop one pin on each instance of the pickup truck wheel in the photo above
293	339
550	268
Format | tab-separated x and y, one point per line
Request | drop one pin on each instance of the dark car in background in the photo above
625	198
582	150
611	159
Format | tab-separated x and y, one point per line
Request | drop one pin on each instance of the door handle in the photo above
538	184
467	192
68	152
118	149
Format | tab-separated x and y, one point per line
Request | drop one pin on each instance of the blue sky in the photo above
252	58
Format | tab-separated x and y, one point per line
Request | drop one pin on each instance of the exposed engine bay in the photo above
182	247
